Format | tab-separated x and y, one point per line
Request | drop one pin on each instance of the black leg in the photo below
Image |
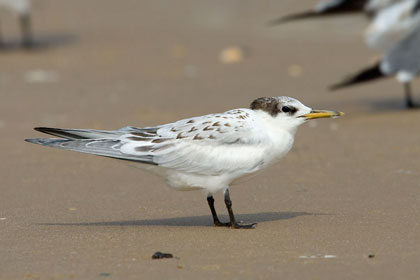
233	222
26	30
408	99
216	220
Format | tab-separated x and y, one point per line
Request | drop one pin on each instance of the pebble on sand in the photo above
160	255
233	54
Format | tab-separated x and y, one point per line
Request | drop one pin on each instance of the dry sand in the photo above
350	187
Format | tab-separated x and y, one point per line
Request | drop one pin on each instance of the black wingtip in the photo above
48	130
292	17
338	86
343	7
60	132
44	129
365	75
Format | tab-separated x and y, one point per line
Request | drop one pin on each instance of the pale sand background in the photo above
349	188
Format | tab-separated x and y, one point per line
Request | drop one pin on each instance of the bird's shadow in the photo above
386	104
205	220
390	104
40	42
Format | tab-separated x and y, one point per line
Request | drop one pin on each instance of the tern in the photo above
402	61
207	153
396	31
22	9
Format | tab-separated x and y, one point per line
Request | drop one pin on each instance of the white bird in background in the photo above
22	9
209	152
393	24
396	31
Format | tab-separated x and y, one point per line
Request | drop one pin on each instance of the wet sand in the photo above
349	189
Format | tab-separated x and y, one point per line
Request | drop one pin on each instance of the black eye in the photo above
286	109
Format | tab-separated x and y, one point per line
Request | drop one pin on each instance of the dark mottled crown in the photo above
267	104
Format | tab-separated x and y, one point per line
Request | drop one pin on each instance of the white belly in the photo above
215	169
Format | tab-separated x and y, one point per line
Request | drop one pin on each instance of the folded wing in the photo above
190	145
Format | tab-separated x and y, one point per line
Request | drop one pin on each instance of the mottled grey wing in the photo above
405	56
191	145
213	144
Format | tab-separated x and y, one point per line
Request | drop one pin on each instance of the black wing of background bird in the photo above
332	7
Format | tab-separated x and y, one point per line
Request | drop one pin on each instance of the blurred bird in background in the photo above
394	30
22	9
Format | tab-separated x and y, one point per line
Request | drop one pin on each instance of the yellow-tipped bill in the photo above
316	114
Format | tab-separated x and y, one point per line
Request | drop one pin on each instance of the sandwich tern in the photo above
209	152
396	31
402	61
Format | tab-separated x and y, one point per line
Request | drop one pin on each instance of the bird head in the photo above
288	113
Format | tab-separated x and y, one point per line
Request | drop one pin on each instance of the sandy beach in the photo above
343	204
